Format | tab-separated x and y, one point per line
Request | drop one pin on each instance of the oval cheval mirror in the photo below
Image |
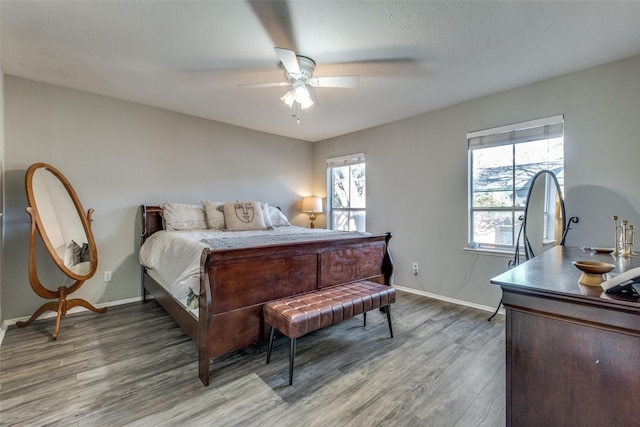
65	229
544	223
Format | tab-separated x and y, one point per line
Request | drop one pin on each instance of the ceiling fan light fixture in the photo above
306	103
288	99
298	94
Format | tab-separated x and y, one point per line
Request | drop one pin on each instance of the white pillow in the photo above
241	216
277	217
178	216
214	214
72	254
267	218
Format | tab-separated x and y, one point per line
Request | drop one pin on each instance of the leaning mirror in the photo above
65	229
544	223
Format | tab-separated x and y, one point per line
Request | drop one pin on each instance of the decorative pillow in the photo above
240	216
267	218
72	254
84	253
277	217
192	300
178	216
214	214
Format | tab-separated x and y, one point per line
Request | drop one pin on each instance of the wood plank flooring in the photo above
134	366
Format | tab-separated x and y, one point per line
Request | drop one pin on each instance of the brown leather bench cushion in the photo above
298	315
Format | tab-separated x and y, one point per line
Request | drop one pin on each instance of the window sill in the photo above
504	253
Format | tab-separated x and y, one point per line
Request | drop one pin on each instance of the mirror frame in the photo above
85	219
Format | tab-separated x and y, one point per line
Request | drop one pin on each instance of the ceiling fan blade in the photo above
289	61
275	17
335	81
261	85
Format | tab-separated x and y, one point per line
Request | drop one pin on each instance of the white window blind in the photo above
547	128
352	159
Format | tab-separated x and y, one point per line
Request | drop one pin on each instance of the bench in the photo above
298	315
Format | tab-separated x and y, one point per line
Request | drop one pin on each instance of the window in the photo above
347	193
502	162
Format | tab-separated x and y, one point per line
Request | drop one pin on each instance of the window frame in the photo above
510	135
337	162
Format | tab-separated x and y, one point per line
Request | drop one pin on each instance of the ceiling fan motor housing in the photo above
306	64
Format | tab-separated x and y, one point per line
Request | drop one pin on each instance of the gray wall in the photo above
1	180
119	155
417	174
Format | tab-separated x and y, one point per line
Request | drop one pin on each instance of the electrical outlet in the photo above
415	268
107	276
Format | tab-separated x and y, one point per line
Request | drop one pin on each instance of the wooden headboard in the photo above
151	220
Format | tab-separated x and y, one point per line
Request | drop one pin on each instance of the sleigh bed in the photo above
235	282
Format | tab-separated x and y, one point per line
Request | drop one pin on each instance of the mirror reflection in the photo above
60	222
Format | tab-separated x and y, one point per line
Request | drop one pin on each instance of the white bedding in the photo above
175	255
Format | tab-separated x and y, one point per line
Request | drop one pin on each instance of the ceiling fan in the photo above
298	72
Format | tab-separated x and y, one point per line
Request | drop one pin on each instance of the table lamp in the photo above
312	205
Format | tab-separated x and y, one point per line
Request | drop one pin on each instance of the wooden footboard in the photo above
236	283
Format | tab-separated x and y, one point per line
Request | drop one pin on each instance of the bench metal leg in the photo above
292	353
387	309
273	330
292	356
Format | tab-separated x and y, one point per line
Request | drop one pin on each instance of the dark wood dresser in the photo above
573	351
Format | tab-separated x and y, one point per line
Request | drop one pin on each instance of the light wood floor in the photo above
134	366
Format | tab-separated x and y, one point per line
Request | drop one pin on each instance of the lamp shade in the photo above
304	101
312	204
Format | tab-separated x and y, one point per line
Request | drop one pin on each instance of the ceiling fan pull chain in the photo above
296	110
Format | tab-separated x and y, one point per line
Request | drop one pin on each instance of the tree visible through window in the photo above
346	181
502	162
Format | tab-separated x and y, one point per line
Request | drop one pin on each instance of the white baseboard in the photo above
447	299
49	314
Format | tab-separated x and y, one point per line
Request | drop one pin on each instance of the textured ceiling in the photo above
412	56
